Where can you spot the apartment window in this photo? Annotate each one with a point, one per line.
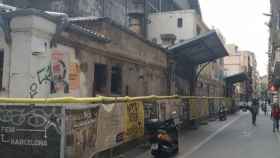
(116, 80)
(1, 66)
(179, 22)
(100, 79)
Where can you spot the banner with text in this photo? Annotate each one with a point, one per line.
(29, 131)
(81, 132)
(134, 120)
(111, 126)
(167, 107)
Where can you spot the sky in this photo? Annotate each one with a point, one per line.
(242, 23)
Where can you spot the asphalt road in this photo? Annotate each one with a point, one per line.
(235, 138)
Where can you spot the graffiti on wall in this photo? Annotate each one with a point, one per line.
(54, 74)
(30, 131)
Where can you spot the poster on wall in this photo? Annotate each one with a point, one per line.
(198, 108)
(111, 126)
(59, 68)
(167, 107)
(81, 132)
(151, 110)
(29, 131)
(134, 120)
(74, 79)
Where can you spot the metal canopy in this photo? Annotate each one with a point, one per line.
(236, 78)
(201, 49)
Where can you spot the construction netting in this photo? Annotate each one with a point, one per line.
(81, 127)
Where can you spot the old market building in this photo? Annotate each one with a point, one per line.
(46, 55)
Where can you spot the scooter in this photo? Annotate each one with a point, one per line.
(164, 142)
(222, 114)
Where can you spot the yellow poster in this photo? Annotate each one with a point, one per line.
(134, 120)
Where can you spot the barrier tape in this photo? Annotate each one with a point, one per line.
(94, 100)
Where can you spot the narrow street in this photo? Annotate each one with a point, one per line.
(235, 138)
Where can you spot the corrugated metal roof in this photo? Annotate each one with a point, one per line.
(201, 49)
(236, 78)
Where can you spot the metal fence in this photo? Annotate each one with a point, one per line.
(81, 127)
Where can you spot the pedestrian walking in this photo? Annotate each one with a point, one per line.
(254, 110)
(264, 108)
(275, 115)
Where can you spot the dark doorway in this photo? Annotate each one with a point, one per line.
(100, 80)
(116, 80)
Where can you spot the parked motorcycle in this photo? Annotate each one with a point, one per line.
(164, 142)
(222, 114)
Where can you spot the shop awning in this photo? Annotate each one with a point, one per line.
(240, 77)
(201, 49)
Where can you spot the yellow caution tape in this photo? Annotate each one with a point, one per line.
(94, 100)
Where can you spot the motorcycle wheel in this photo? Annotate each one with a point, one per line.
(177, 150)
(161, 155)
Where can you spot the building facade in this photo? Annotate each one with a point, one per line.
(242, 62)
(120, 11)
(42, 60)
(181, 26)
(274, 51)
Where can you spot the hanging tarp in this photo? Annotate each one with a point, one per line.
(134, 120)
(111, 126)
(81, 131)
(30, 131)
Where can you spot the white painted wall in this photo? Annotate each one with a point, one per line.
(28, 36)
(32, 58)
(4, 92)
(166, 23)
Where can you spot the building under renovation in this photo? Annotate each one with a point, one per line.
(122, 12)
(86, 55)
(48, 56)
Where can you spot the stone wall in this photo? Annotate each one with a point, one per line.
(68, 69)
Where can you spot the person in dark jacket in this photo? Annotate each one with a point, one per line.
(254, 110)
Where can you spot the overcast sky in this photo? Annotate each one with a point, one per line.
(241, 22)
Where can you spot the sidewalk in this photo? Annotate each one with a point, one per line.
(189, 139)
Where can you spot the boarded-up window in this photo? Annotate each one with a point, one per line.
(116, 82)
(100, 79)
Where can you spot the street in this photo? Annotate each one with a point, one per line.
(235, 138)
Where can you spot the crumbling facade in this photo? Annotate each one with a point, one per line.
(52, 57)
